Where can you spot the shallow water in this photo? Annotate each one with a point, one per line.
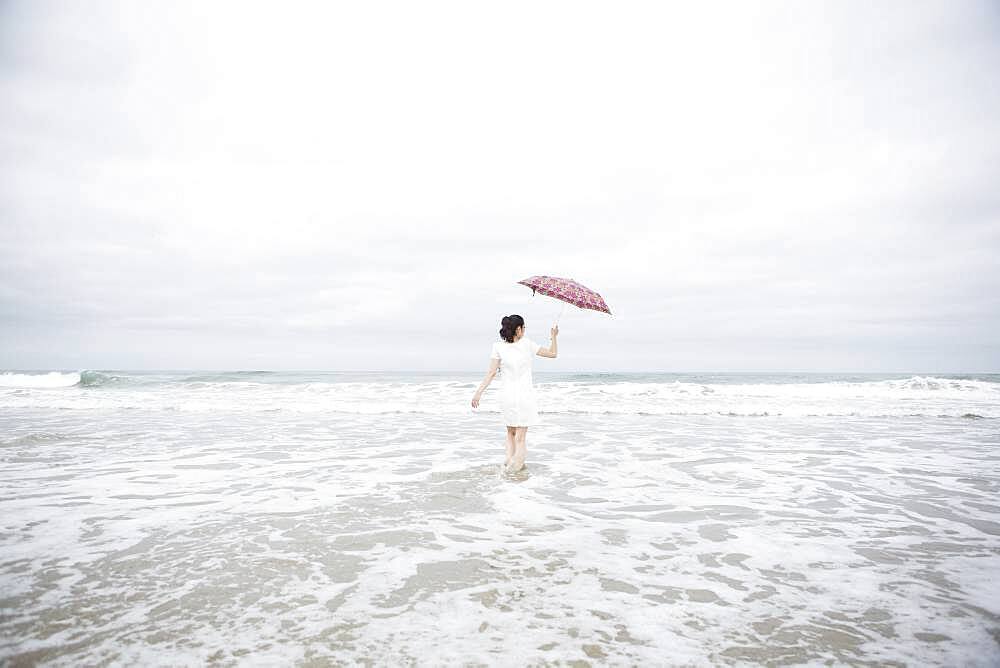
(141, 534)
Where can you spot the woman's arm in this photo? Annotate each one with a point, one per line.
(490, 375)
(553, 350)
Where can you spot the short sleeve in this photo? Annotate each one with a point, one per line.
(534, 346)
(494, 353)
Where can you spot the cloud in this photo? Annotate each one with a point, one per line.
(800, 186)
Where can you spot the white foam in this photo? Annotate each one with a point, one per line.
(287, 537)
(50, 379)
(918, 395)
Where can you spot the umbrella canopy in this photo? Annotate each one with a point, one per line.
(567, 290)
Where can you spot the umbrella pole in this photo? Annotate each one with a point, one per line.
(560, 312)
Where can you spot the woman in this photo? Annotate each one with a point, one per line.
(513, 357)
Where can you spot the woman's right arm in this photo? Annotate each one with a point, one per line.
(553, 350)
(490, 374)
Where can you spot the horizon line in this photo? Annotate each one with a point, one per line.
(447, 371)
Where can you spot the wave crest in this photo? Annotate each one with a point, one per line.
(96, 378)
(50, 379)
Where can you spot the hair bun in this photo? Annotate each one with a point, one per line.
(509, 325)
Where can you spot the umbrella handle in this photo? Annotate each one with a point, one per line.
(560, 312)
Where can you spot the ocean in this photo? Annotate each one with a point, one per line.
(319, 518)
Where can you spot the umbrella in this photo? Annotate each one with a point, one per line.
(567, 291)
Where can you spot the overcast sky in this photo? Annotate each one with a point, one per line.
(791, 186)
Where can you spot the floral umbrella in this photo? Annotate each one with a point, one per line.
(567, 291)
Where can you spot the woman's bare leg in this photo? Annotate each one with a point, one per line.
(520, 448)
(510, 446)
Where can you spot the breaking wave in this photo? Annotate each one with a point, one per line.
(51, 379)
(611, 393)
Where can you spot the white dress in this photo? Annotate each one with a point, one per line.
(517, 390)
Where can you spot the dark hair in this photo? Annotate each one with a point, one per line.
(509, 325)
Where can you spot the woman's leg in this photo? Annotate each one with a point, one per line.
(510, 446)
(520, 448)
